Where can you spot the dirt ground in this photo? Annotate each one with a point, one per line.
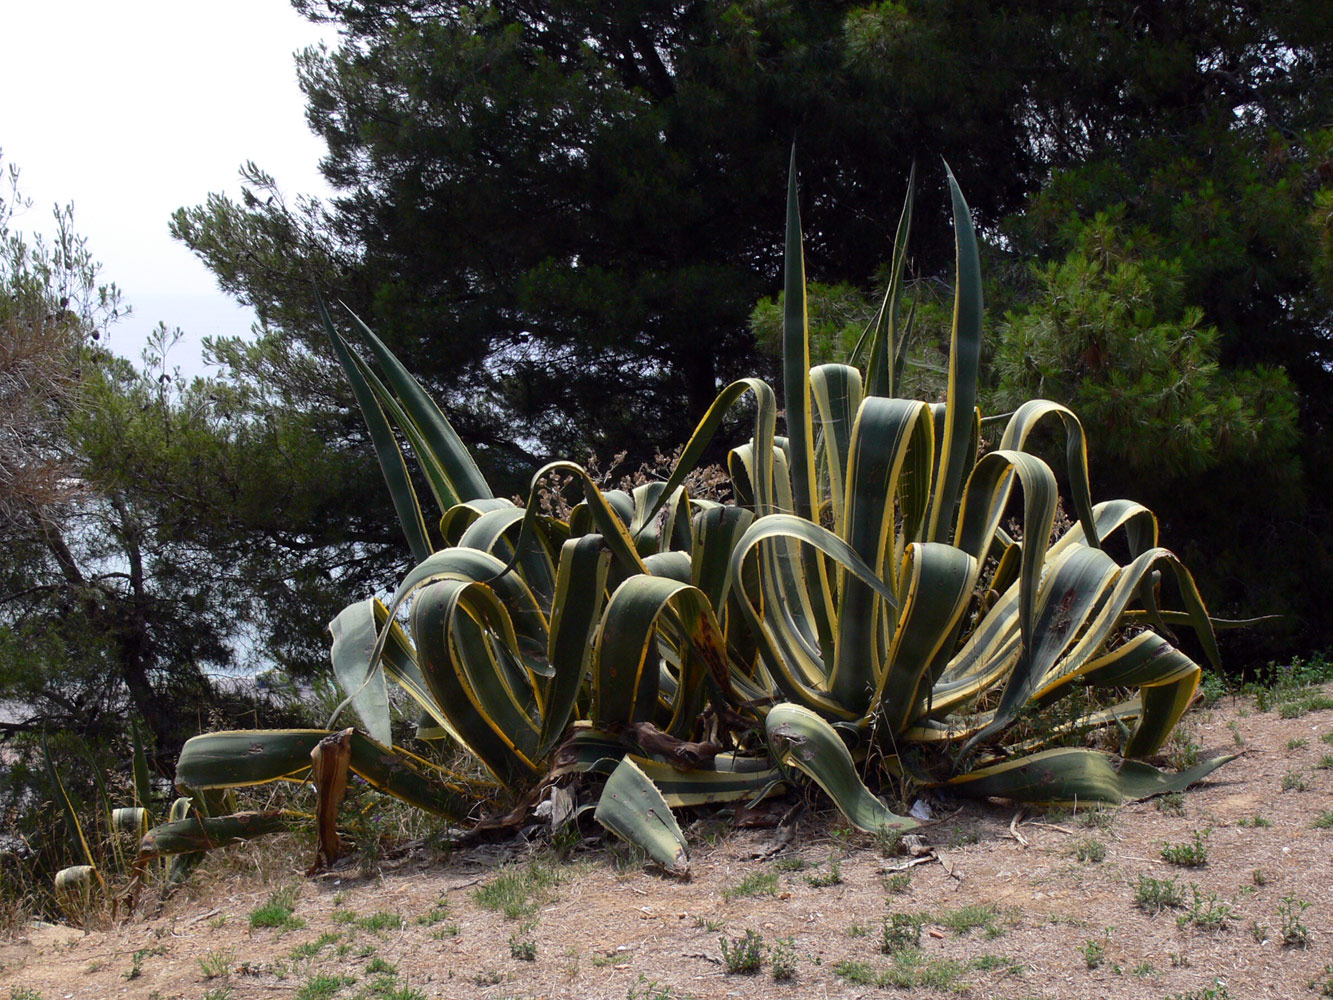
(1006, 909)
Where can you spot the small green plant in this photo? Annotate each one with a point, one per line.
(1309, 702)
(1089, 850)
(1325, 762)
(1185, 751)
(754, 884)
(437, 913)
(277, 912)
(312, 948)
(1258, 931)
(901, 930)
(217, 963)
(1144, 970)
(522, 947)
(1293, 781)
(969, 918)
(517, 891)
(857, 929)
(1324, 982)
(1324, 821)
(23, 993)
(650, 989)
(377, 966)
(137, 959)
(830, 876)
(1327, 737)
(1297, 743)
(1294, 932)
(1216, 990)
(380, 921)
(743, 955)
(1256, 821)
(782, 960)
(793, 863)
(323, 987)
(898, 883)
(1212, 688)
(1153, 895)
(1237, 738)
(1096, 819)
(1206, 912)
(1172, 802)
(216, 993)
(1093, 952)
(1189, 855)
(613, 959)
(1258, 877)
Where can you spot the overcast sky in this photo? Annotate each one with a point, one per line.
(133, 109)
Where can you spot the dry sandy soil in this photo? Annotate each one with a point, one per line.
(1045, 922)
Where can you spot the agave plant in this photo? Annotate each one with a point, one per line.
(862, 600)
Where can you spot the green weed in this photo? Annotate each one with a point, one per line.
(1190, 855)
(277, 912)
(1153, 895)
(1206, 912)
(517, 891)
(322, 987)
(1294, 932)
(755, 884)
(901, 930)
(217, 963)
(743, 955)
(1089, 850)
(782, 960)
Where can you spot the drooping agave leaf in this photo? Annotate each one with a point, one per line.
(1026, 419)
(726, 778)
(625, 670)
(1070, 775)
(799, 738)
(632, 808)
(1166, 678)
(74, 889)
(489, 700)
(130, 819)
(938, 587)
(580, 593)
(239, 759)
(837, 394)
(355, 633)
(205, 833)
(785, 648)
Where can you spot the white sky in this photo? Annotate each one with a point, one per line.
(135, 108)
